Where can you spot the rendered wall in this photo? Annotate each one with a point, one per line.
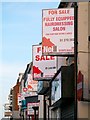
(41, 107)
(83, 55)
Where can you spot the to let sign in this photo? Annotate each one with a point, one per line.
(58, 31)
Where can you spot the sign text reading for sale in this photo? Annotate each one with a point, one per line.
(39, 57)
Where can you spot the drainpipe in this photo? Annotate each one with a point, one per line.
(75, 56)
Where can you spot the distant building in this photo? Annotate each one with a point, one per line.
(28, 94)
(7, 111)
(15, 107)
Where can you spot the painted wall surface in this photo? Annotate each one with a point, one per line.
(56, 114)
(84, 55)
(89, 55)
(83, 109)
(15, 114)
(41, 107)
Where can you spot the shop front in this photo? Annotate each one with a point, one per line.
(32, 107)
(62, 94)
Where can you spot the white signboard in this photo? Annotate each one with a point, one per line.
(20, 98)
(44, 67)
(30, 110)
(32, 84)
(56, 89)
(58, 31)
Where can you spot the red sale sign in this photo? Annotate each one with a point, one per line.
(44, 67)
(58, 31)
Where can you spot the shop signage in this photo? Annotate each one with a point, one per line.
(34, 104)
(44, 67)
(20, 98)
(31, 84)
(58, 31)
(24, 89)
(56, 89)
(23, 105)
(30, 110)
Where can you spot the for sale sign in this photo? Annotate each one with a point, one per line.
(44, 67)
(58, 31)
(32, 84)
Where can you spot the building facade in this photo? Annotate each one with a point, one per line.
(15, 107)
(84, 56)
